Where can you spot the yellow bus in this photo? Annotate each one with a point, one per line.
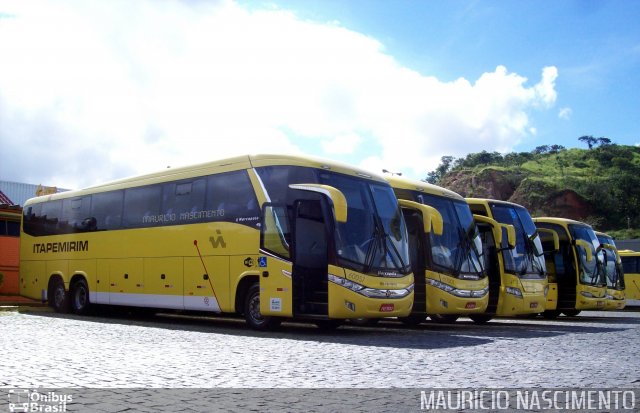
(268, 236)
(576, 275)
(515, 261)
(446, 257)
(613, 273)
(631, 268)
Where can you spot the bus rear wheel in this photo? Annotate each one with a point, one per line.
(58, 297)
(444, 318)
(550, 314)
(80, 297)
(480, 318)
(252, 313)
(571, 313)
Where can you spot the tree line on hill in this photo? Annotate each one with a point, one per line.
(606, 176)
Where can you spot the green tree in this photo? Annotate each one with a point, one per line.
(589, 140)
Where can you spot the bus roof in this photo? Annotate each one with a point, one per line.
(629, 253)
(216, 166)
(491, 201)
(560, 221)
(420, 186)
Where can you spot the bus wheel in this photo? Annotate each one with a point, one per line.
(80, 297)
(480, 318)
(444, 318)
(58, 297)
(551, 314)
(328, 325)
(252, 313)
(364, 322)
(571, 313)
(412, 320)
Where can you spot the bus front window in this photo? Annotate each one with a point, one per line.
(457, 251)
(526, 260)
(373, 240)
(591, 272)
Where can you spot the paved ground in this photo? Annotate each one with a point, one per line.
(43, 349)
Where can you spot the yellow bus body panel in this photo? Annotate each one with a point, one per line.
(552, 297)
(443, 302)
(533, 300)
(617, 301)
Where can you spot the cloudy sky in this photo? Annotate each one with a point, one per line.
(96, 90)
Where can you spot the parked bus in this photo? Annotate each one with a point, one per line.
(446, 257)
(614, 276)
(576, 275)
(514, 261)
(267, 236)
(9, 248)
(631, 269)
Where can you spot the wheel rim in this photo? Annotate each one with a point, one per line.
(80, 297)
(58, 296)
(254, 309)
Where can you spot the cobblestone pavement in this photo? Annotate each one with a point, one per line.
(43, 349)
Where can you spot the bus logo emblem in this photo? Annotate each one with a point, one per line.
(218, 241)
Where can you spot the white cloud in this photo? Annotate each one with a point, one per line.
(342, 144)
(565, 113)
(91, 91)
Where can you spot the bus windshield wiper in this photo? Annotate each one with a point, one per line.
(379, 238)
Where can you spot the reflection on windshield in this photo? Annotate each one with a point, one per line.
(374, 236)
(591, 272)
(458, 250)
(526, 260)
(612, 265)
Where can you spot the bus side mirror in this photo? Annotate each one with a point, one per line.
(511, 235)
(556, 239)
(496, 228)
(613, 249)
(337, 198)
(586, 246)
(430, 216)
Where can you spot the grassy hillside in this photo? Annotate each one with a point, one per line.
(603, 180)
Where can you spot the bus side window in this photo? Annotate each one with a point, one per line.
(232, 198)
(106, 208)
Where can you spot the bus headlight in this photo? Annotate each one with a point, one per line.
(546, 290)
(587, 294)
(514, 291)
(609, 297)
(369, 292)
(456, 291)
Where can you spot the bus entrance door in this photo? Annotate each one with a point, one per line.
(295, 262)
(276, 295)
(310, 259)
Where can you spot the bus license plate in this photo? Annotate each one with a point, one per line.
(385, 308)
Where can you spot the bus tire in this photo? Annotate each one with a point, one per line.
(571, 313)
(413, 320)
(58, 296)
(551, 314)
(252, 311)
(328, 325)
(80, 297)
(480, 318)
(444, 318)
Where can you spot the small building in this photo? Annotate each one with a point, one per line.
(9, 248)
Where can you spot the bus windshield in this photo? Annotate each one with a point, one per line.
(591, 272)
(526, 260)
(373, 240)
(458, 251)
(612, 265)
